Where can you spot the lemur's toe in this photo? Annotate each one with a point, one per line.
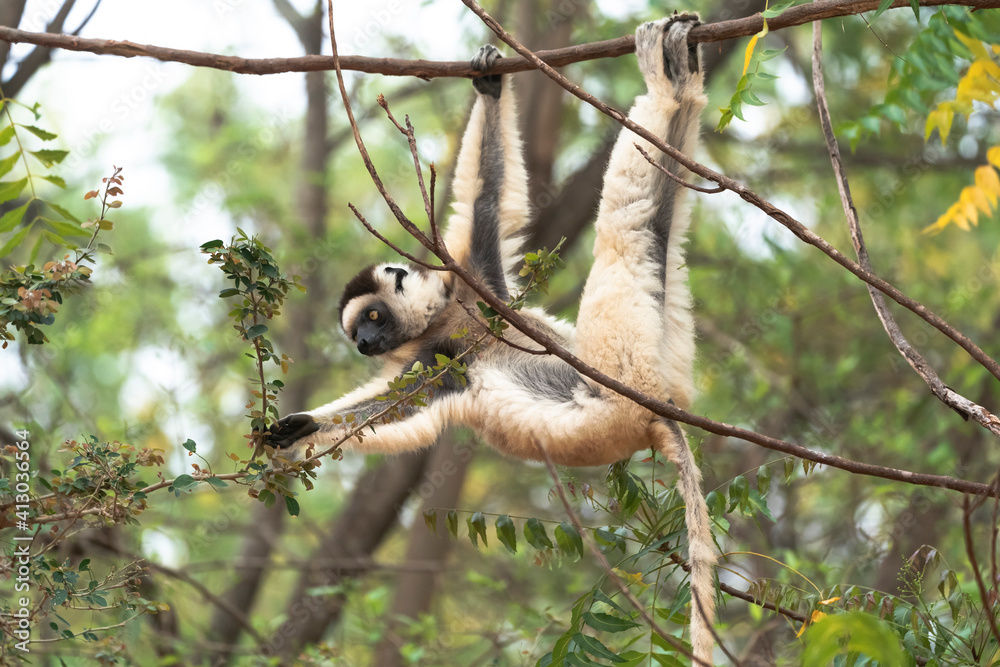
(483, 61)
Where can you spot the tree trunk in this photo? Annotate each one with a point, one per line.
(441, 487)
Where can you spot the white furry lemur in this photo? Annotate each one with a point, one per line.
(634, 323)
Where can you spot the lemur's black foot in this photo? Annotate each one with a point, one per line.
(664, 52)
(675, 43)
(483, 61)
(290, 429)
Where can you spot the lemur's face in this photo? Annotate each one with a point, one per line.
(387, 305)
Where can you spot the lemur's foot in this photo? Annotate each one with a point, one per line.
(289, 429)
(664, 52)
(483, 61)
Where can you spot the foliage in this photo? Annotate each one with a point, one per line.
(30, 296)
(259, 283)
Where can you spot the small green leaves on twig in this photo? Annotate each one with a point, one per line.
(30, 296)
(260, 289)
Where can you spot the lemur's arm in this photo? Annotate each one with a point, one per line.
(490, 183)
(406, 428)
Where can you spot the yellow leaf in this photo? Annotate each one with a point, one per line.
(993, 156)
(978, 199)
(940, 119)
(830, 601)
(814, 618)
(753, 42)
(987, 179)
(974, 45)
(749, 53)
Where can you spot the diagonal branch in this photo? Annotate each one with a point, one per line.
(957, 402)
(426, 69)
(746, 194)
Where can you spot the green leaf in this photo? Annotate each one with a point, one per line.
(607, 622)
(65, 228)
(52, 178)
(212, 244)
(864, 633)
(739, 491)
(506, 533)
(594, 647)
(12, 218)
(768, 54)
(292, 505)
(8, 163)
(183, 484)
(84, 565)
(764, 479)
(477, 526)
(267, 498)
(451, 522)
(534, 533)
(14, 241)
(256, 330)
(49, 157)
(44, 135)
(226, 293)
(882, 6)
(217, 483)
(771, 12)
(63, 212)
(190, 445)
(6, 134)
(431, 520)
(751, 99)
(569, 539)
(11, 189)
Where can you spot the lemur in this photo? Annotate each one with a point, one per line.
(634, 321)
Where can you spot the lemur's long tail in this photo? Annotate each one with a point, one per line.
(701, 550)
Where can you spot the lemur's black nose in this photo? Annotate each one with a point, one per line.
(369, 346)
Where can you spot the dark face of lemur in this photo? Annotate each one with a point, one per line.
(387, 305)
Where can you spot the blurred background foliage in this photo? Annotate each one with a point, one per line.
(788, 346)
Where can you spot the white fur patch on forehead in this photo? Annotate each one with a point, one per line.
(422, 296)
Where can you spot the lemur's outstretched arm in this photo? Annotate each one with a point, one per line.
(389, 303)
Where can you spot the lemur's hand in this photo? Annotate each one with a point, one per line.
(483, 61)
(291, 428)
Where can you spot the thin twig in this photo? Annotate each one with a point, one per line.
(949, 397)
(675, 177)
(476, 318)
(801, 231)
(970, 551)
(400, 251)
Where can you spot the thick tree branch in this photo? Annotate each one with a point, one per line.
(426, 69)
(957, 402)
(746, 194)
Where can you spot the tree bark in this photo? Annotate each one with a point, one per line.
(443, 478)
(371, 511)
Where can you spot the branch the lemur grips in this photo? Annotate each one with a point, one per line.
(634, 322)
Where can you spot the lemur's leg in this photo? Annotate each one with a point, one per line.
(490, 184)
(635, 322)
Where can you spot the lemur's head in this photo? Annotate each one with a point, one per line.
(386, 305)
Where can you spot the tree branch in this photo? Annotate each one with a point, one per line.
(952, 399)
(426, 69)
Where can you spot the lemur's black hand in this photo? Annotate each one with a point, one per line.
(483, 61)
(291, 428)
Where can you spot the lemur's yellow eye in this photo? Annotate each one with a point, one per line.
(373, 315)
